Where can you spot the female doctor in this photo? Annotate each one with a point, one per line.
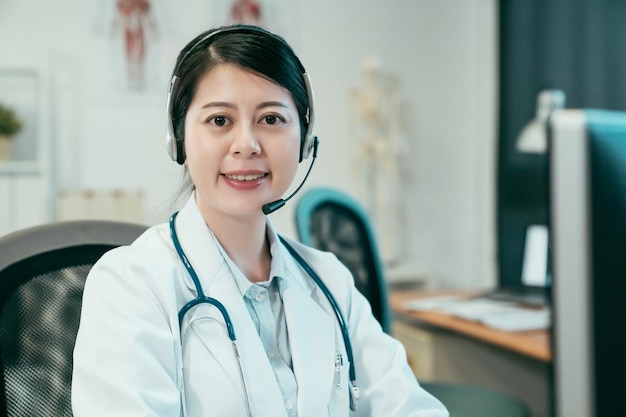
(213, 313)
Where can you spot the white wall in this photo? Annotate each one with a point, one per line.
(444, 53)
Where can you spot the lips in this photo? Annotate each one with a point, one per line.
(246, 177)
(245, 181)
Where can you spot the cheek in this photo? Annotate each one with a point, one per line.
(200, 158)
(293, 149)
(292, 158)
(197, 144)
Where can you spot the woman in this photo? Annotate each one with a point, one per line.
(214, 314)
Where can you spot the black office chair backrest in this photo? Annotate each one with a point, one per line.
(42, 274)
(331, 220)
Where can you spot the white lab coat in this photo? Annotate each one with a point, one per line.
(129, 359)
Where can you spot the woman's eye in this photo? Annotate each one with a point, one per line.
(272, 119)
(219, 120)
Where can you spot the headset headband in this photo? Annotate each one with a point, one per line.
(175, 144)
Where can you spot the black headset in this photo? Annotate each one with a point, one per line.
(175, 144)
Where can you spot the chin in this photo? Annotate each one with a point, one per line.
(243, 211)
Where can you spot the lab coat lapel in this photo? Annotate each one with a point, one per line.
(207, 325)
(218, 282)
(261, 385)
(312, 340)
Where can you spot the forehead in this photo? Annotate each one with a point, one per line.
(232, 80)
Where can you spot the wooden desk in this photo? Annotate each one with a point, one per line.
(535, 343)
(441, 347)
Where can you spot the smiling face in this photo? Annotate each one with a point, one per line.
(242, 142)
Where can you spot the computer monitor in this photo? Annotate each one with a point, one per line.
(587, 169)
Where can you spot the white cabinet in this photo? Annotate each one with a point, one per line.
(25, 178)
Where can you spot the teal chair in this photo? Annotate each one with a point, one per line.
(331, 220)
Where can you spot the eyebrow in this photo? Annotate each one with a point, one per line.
(218, 104)
(271, 104)
(232, 106)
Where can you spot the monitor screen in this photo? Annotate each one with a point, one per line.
(587, 155)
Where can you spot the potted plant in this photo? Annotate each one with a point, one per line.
(10, 125)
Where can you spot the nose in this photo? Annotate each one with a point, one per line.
(245, 142)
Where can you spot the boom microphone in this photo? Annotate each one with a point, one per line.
(269, 208)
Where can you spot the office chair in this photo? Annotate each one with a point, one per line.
(331, 220)
(42, 274)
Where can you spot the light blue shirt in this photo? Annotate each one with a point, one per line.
(265, 305)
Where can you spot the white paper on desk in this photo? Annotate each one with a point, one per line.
(496, 314)
(432, 303)
(503, 316)
(516, 322)
(478, 309)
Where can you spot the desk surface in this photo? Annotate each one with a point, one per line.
(534, 343)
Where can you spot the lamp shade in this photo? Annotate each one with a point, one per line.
(534, 137)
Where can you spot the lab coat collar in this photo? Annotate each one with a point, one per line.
(312, 342)
(196, 240)
(217, 281)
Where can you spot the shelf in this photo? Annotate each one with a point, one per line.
(26, 196)
(10, 168)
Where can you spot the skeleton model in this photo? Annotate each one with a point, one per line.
(377, 140)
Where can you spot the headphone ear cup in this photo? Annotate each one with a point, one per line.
(306, 145)
(309, 140)
(170, 144)
(175, 148)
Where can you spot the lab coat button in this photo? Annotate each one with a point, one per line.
(288, 404)
(271, 354)
(260, 297)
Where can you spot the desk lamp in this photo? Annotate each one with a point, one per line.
(534, 138)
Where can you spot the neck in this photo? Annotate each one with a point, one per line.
(245, 242)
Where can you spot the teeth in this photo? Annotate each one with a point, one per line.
(248, 177)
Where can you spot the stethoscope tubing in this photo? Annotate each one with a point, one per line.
(201, 298)
(331, 299)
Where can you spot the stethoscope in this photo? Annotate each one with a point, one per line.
(201, 298)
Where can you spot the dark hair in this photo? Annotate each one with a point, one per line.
(249, 47)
